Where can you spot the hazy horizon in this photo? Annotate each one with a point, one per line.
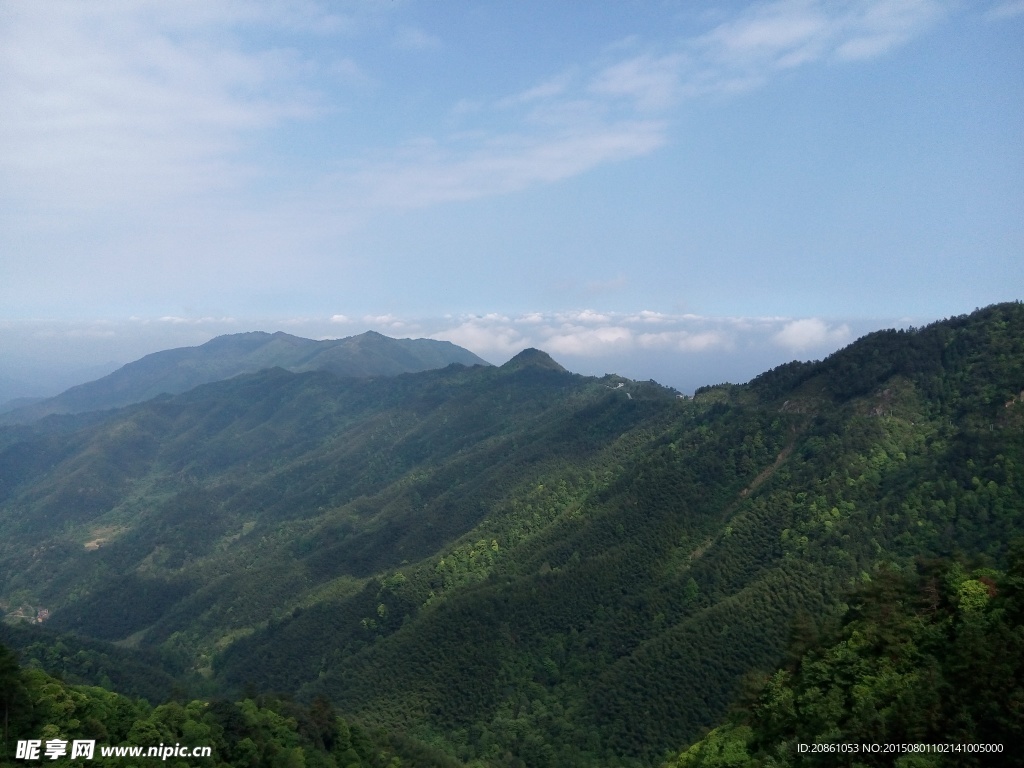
(44, 358)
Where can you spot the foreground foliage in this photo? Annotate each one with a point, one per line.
(245, 734)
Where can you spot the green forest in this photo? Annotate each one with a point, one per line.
(928, 663)
(264, 731)
(520, 566)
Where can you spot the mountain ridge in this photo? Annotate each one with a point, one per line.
(177, 370)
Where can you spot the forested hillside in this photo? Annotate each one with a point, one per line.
(516, 565)
(927, 664)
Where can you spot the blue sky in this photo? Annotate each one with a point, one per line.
(685, 191)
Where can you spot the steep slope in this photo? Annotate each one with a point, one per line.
(524, 566)
(178, 370)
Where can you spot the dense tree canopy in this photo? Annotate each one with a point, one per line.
(930, 662)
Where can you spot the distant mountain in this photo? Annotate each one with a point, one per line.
(17, 393)
(179, 370)
(18, 402)
(519, 565)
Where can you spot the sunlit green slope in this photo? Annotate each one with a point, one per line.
(924, 670)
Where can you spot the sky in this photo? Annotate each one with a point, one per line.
(690, 192)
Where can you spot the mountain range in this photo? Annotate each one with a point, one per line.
(179, 370)
(511, 565)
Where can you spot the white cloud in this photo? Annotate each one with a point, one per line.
(684, 341)
(385, 321)
(809, 333)
(587, 316)
(647, 316)
(484, 338)
(587, 342)
(531, 317)
(699, 342)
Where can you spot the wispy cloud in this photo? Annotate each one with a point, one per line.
(548, 89)
(749, 48)
(781, 35)
(612, 111)
(427, 173)
(103, 104)
(651, 83)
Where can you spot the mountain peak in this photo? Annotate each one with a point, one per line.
(533, 358)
